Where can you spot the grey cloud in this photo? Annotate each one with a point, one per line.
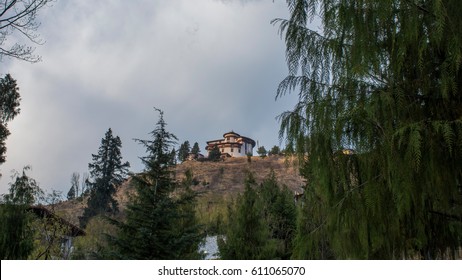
(211, 66)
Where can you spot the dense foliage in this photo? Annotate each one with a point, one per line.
(261, 223)
(9, 109)
(107, 172)
(382, 79)
(160, 221)
(16, 231)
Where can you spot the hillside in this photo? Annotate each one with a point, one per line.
(216, 181)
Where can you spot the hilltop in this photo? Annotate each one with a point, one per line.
(216, 181)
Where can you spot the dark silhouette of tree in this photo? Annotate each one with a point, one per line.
(184, 150)
(274, 151)
(214, 154)
(195, 149)
(261, 151)
(71, 193)
(9, 109)
(18, 20)
(107, 172)
(160, 223)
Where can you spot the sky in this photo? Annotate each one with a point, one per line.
(212, 66)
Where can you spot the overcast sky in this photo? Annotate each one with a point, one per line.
(211, 66)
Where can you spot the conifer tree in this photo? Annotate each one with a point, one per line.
(274, 151)
(159, 223)
(247, 233)
(382, 78)
(280, 214)
(195, 149)
(214, 154)
(71, 193)
(184, 150)
(262, 151)
(107, 172)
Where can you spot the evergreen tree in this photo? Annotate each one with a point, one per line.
(107, 172)
(247, 234)
(280, 214)
(75, 178)
(9, 109)
(184, 150)
(173, 157)
(214, 154)
(195, 149)
(159, 223)
(71, 193)
(274, 151)
(262, 151)
(383, 78)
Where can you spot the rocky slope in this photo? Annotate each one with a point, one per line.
(217, 181)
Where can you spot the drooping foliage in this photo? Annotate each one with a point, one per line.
(383, 79)
(160, 223)
(107, 172)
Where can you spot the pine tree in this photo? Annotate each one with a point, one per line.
(262, 151)
(214, 154)
(382, 78)
(195, 149)
(184, 150)
(275, 151)
(280, 214)
(71, 193)
(9, 109)
(159, 223)
(107, 172)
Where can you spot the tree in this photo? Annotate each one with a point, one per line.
(84, 184)
(214, 154)
(18, 20)
(16, 231)
(71, 193)
(274, 151)
(184, 150)
(107, 172)
(94, 244)
(382, 78)
(9, 109)
(247, 233)
(75, 180)
(159, 223)
(262, 151)
(280, 214)
(195, 149)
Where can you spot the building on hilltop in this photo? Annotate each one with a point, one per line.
(232, 145)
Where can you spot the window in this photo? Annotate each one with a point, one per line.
(239, 150)
(232, 150)
(222, 150)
